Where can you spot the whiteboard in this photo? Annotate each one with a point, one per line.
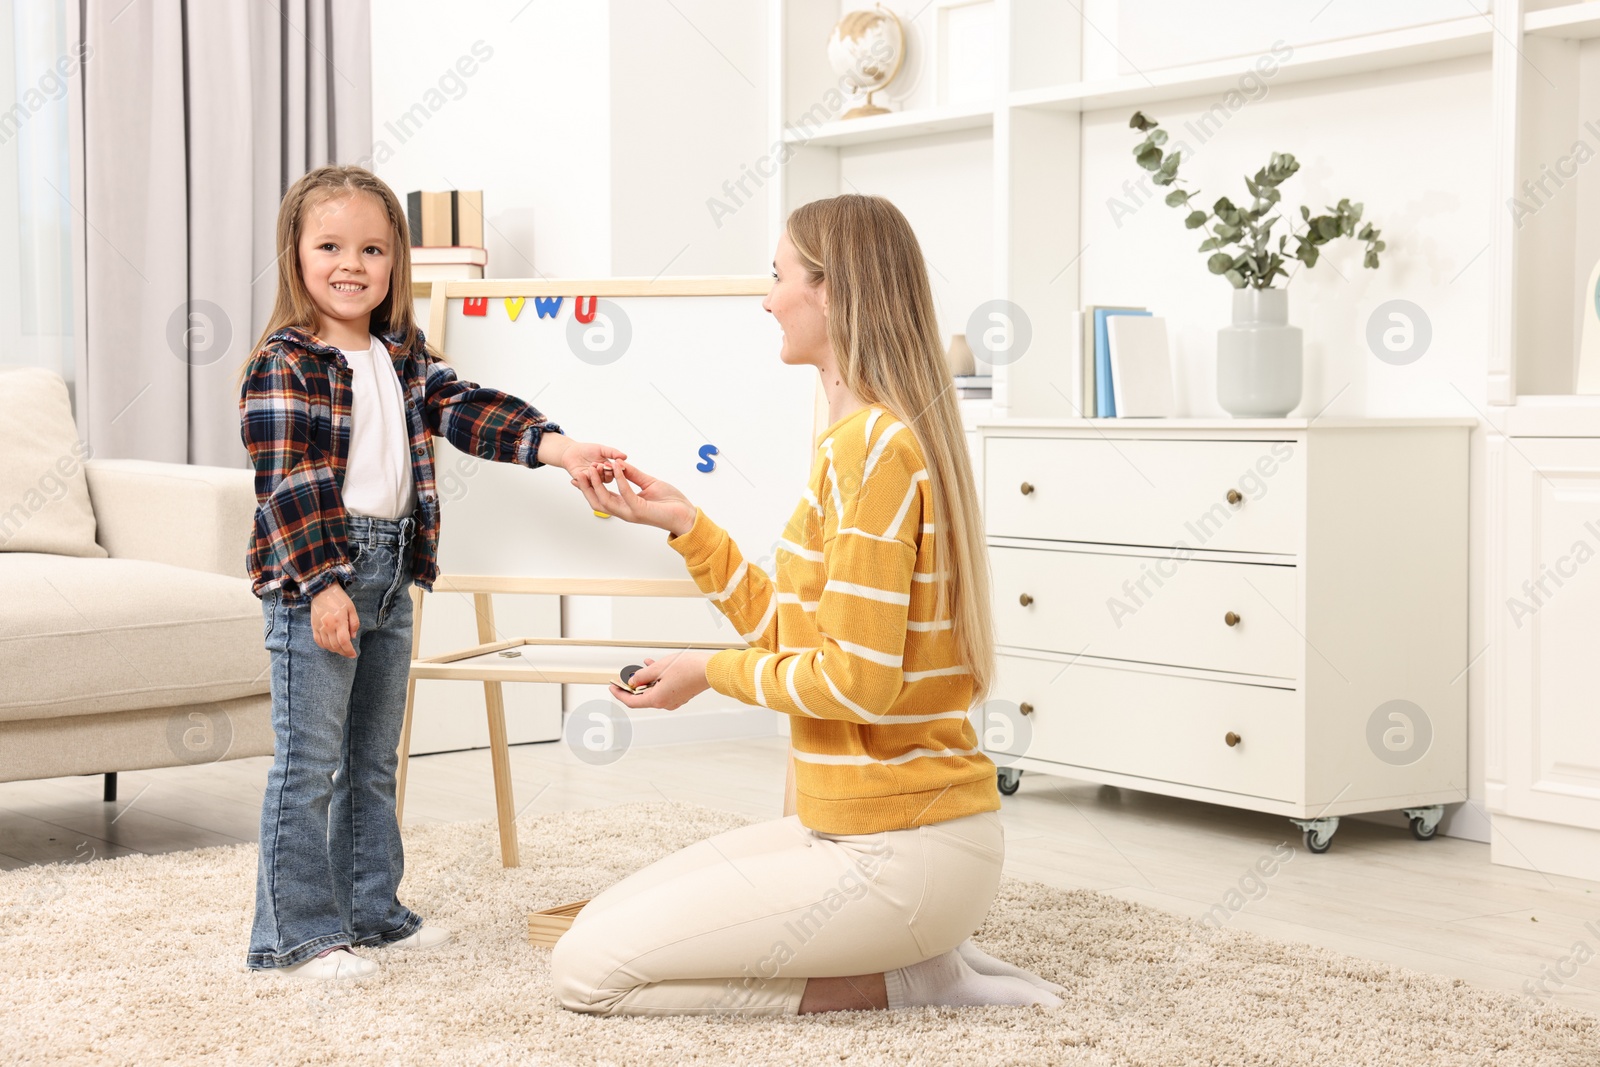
(660, 370)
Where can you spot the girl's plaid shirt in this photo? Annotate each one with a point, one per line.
(294, 411)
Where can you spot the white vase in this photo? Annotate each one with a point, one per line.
(1259, 356)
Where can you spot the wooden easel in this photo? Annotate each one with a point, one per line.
(559, 660)
(549, 660)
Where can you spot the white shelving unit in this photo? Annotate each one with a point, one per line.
(1025, 227)
(876, 129)
(1542, 749)
(924, 156)
(1469, 35)
(1573, 22)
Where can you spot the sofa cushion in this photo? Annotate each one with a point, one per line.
(85, 636)
(44, 496)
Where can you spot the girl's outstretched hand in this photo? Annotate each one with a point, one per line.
(655, 503)
(580, 457)
(673, 681)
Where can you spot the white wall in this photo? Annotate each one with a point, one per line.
(1152, 34)
(944, 186)
(688, 124)
(1412, 146)
(530, 126)
(598, 133)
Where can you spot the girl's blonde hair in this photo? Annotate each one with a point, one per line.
(293, 306)
(885, 336)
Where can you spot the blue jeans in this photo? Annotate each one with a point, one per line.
(331, 857)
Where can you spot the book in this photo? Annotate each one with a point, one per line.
(443, 254)
(445, 272)
(1087, 403)
(1141, 367)
(1076, 397)
(1105, 405)
(466, 213)
(1086, 361)
(453, 218)
(447, 264)
(974, 386)
(428, 216)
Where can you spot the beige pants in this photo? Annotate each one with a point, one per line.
(737, 923)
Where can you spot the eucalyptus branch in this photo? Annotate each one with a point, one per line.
(1250, 230)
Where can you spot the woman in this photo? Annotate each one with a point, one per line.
(875, 639)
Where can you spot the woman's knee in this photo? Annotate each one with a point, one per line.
(964, 865)
(575, 980)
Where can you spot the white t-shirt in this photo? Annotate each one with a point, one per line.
(377, 477)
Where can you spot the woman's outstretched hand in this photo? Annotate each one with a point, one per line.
(673, 681)
(654, 503)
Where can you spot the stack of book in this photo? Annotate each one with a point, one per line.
(446, 235)
(1121, 365)
(974, 386)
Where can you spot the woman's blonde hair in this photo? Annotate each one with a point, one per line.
(293, 306)
(885, 336)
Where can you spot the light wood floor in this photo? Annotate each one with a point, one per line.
(1438, 906)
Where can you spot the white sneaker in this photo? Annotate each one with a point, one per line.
(422, 939)
(338, 965)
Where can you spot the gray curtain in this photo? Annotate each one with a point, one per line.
(195, 117)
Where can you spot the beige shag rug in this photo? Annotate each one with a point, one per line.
(139, 960)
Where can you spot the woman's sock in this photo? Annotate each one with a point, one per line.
(984, 963)
(946, 981)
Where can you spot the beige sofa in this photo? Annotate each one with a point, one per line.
(139, 645)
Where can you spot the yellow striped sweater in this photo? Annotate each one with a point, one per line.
(845, 640)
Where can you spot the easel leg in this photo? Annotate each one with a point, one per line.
(411, 703)
(499, 747)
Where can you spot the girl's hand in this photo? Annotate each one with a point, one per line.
(677, 679)
(334, 621)
(655, 504)
(577, 457)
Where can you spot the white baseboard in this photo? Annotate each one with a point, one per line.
(1546, 847)
(712, 724)
(1466, 821)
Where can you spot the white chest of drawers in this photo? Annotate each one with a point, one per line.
(1264, 613)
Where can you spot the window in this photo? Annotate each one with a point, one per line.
(36, 217)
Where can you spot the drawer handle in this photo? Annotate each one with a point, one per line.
(1231, 618)
(1027, 488)
(1024, 600)
(1233, 739)
(1026, 708)
(1234, 496)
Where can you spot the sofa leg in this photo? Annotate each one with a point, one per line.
(111, 787)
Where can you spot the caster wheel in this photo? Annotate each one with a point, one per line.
(1317, 843)
(1421, 832)
(1008, 780)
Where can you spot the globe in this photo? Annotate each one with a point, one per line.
(866, 49)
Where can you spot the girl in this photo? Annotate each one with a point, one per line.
(339, 405)
(876, 640)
